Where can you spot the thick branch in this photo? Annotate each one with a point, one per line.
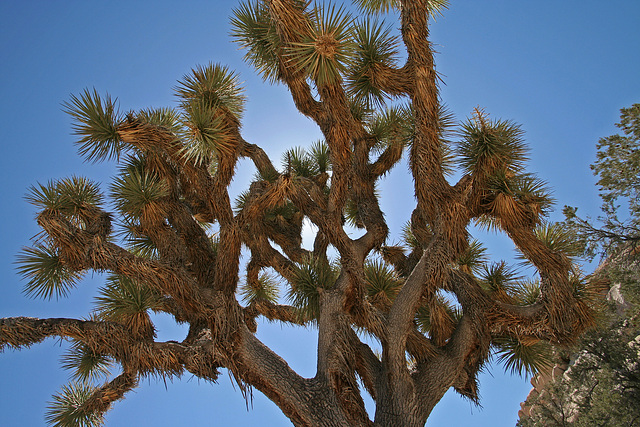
(101, 399)
(81, 250)
(431, 187)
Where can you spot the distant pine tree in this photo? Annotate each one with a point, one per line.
(602, 383)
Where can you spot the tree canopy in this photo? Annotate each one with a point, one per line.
(617, 168)
(171, 239)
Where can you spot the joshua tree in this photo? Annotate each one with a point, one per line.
(173, 238)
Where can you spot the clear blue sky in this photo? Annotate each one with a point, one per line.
(562, 69)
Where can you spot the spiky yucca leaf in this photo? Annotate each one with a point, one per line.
(137, 242)
(67, 407)
(377, 6)
(446, 124)
(533, 192)
(204, 134)
(588, 291)
(211, 87)
(517, 198)
(79, 190)
(254, 30)
(383, 284)
(360, 110)
(397, 125)
(46, 274)
(128, 302)
(134, 189)
(241, 200)
(488, 145)
(86, 364)
(265, 290)
(487, 223)
(393, 125)
(309, 277)
(474, 258)
(164, 117)
(325, 53)
(445, 315)
(558, 238)
(48, 197)
(269, 175)
(296, 161)
(96, 123)
(319, 153)
(66, 196)
(523, 356)
(409, 238)
(526, 292)
(143, 246)
(498, 279)
(282, 213)
(375, 47)
(384, 6)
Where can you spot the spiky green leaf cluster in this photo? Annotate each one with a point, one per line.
(446, 125)
(383, 284)
(137, 242)
(254, 30)
(212, 86)
(526, 292)
(375, 47)
(393, 125)
(128, 302)
(324, 54)
(86, 364)
(377, 6)
(167, 118)
(299, 162)
(319, 152)
(295, 161)
(265, 290)
(396, 125)
(474, 258)
(409, 238)
(525, 188)
(523, 356)
(281, 214)
(204, 135)
(499, 280)
(309, 278)
(135, 188)
(47, 276)
(209, 96)
(96, 123)
(385, 6)
(489, 146)
(559, 238)
(67, 408)
(423, 315)
(68, 196)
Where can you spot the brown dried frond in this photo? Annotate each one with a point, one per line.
(441, 322)
(507, 210)
(20, 332)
